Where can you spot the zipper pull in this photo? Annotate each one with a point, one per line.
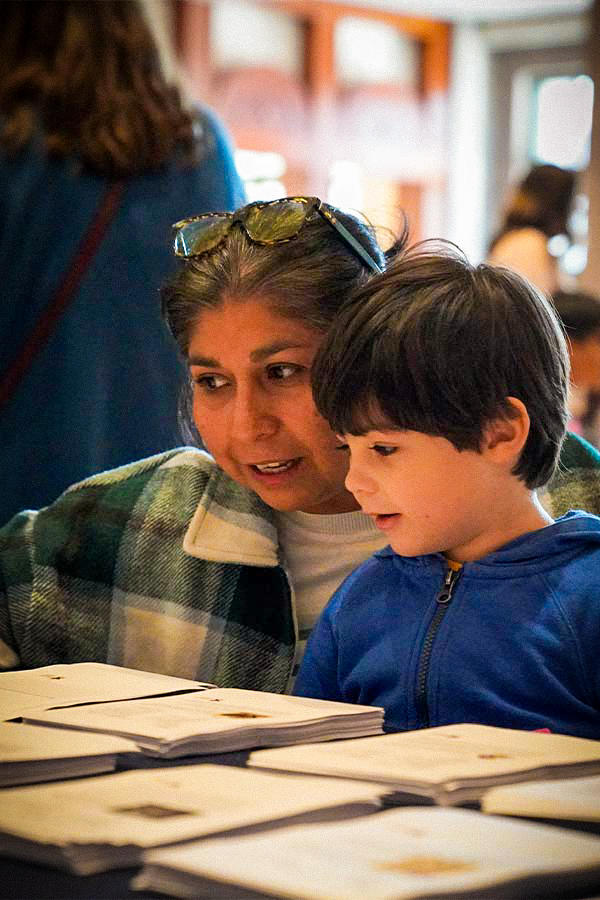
(450, 579)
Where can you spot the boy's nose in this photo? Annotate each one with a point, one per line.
(358, 481)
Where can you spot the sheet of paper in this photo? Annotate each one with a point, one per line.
(14, 704)
(242, 718)
(57, 685)
(573, 798)
(34, 753)
(27, 743)
(394, 855)
(148, 808)
(435, 755)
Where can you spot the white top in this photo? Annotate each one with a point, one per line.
(319, 552)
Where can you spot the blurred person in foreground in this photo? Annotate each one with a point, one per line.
(99, 153)
(538, 211)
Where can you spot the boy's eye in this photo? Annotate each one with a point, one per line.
(281, 371)
(341, 446)
(383, 449)
(210, 383)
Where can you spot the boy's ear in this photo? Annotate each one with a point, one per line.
(505, 437)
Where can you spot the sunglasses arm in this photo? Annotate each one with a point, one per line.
(352, 242)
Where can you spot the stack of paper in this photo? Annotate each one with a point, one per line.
(399, 854)
(29, 753)
(451, 764)
(64, 685)
(218, 720)
(576, 799)
(94, 824)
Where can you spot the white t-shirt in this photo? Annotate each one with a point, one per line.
(319, 552)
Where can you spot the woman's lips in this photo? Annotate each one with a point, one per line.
(275, 469)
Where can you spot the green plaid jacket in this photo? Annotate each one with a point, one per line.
(170, 566)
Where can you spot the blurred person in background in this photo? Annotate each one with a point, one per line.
(580, 315)
(538, 211)
(99, 153)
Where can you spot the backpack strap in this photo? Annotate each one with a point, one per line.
(64, 293)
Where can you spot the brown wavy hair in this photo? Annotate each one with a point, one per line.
(90, 75)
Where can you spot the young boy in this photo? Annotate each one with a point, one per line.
(448, 386)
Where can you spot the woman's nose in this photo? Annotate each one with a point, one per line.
(252, 416)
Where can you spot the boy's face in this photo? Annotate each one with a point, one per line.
(425, 495)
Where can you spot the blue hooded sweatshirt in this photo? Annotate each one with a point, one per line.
(512, 639)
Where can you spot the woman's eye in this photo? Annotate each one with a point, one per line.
(342, 446)
(383, 449)
(209, 382)
(281, 371)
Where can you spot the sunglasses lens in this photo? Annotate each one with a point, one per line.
(276, 221)
(202, 235)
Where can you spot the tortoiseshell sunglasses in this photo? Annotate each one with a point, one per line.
(273, 222)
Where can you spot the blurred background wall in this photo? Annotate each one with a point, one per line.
(435, 107)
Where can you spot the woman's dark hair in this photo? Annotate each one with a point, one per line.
(305, 279)
(89, 75)
(437, 346)
(542, 200)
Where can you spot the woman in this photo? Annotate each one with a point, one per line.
(538, 211)
(215, 567)
(99, 153)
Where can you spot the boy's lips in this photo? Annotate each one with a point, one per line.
(383, 521)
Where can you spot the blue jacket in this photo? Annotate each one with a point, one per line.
(515, 644)
(104, 390)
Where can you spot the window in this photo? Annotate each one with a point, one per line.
(262, 174)
(561, 124)
(244, 33)
(369, 52)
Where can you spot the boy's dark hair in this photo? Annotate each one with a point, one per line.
(436, 345)
(579, 313)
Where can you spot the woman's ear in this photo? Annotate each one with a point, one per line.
(505, 437)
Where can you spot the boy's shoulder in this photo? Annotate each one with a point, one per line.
(580, 530)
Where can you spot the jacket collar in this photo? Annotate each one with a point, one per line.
(232, 525)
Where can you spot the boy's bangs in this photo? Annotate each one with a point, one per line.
(364, 395)
(363, 413)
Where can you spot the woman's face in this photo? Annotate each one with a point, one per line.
(253, 407)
